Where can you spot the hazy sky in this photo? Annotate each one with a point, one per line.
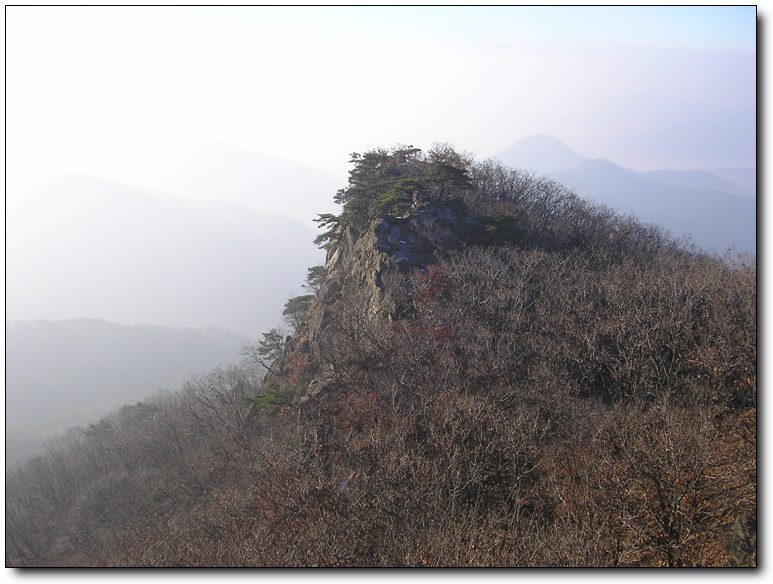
(99, 89)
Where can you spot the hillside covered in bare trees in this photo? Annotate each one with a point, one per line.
(487, 371)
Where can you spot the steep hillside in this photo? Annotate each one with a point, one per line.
(487, 371)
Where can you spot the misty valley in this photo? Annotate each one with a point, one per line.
(249, 325)
(539, 359)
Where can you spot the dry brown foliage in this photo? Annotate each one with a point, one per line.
(586, 399)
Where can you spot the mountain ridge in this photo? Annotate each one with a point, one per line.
(718, 214)
(195, 165)
(715, 220)
(129, 255)
(540, 153)
(488, 370)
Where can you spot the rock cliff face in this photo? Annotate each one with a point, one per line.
(358, 264)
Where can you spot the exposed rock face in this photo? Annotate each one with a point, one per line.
(358, 262)
(395, 238)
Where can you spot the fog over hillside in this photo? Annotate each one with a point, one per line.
(715, 220)
(82, 246)
(71, 373)
(717, 209)
(541, 154)
(487, 371)
(202, 167)
(164, 165)
(709, 181)
(745, 177)
(642, 131)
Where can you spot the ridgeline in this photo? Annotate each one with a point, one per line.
(487, 371)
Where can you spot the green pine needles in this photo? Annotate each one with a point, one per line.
(392, 181)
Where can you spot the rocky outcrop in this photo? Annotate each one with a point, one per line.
(360, 259)
(358, 262)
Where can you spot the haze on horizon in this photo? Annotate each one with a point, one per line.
(113, 110)
(100, 90)
(164, 164)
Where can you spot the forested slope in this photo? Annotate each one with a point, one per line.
(488, 371)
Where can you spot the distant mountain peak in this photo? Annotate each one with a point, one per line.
(198, 166)
(540, 153)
